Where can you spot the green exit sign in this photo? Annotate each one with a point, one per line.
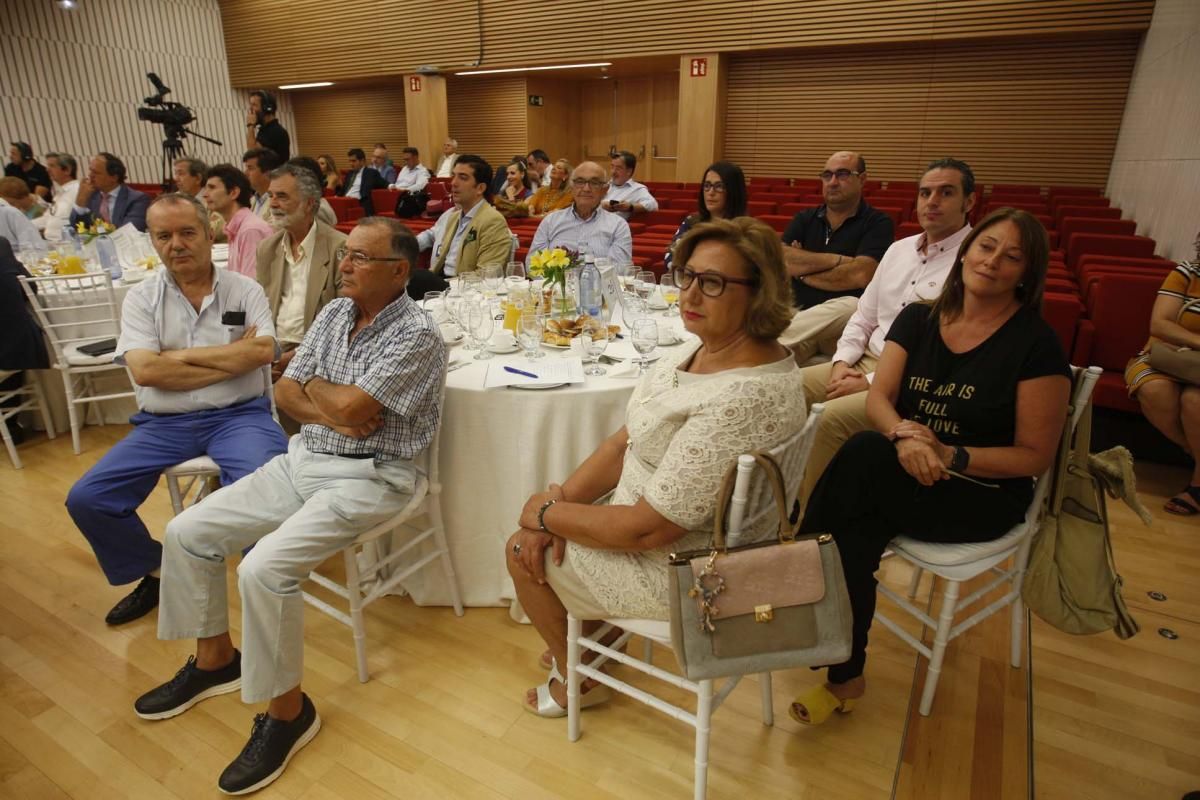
(535, 100)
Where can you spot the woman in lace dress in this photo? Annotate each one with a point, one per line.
(735, 390)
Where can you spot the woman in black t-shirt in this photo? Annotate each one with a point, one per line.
(967, 404)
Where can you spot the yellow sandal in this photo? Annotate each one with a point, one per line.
(820, 703)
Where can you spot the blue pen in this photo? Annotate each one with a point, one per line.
(516, 371)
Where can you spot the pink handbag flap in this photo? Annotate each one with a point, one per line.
(779, 576)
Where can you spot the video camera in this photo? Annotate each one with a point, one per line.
(171, 115)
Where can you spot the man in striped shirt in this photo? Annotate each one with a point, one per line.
(605, 234)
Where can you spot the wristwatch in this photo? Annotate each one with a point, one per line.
(960, 460)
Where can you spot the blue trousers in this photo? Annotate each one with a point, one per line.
(104, 502)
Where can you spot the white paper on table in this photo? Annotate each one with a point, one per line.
(548, 370)
(131, 245)
(610, 288)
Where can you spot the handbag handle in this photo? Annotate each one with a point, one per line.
(786, 533)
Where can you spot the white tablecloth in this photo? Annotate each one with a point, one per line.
(498, 446)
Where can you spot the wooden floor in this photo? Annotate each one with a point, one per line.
(441, 717)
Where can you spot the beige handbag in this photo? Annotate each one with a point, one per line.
(1181, 363)
(759, 607)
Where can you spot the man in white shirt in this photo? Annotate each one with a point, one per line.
(625, 195)
(585, 223)
(472, 234)
(539, 164)
(445, 167)
(413, 176)
(64, 172)
(911, 271)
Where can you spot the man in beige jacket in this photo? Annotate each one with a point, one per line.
(472, 234)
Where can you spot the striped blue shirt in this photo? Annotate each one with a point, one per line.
(605, 234)
(399, 359)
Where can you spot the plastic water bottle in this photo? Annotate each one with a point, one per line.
(106, 251)
(591, 293)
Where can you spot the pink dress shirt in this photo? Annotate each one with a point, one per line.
(245, 231)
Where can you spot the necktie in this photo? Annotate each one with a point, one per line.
(448, 241)
(104, 211)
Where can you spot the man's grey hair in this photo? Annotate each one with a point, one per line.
(67, 162)
(453, 142)
(306, 182)
(176, 198)
(195, 167)
(401, 241)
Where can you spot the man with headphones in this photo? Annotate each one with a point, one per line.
(104, 195)
(263, 129)
(23, 165)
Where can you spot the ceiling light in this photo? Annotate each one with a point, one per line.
(66, 5)
(534, 69)
(307, 85)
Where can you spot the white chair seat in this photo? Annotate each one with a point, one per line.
(194, 465)
(657, 630)
(75, 358)
(936, 554)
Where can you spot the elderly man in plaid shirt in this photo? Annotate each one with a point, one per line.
(365, 383)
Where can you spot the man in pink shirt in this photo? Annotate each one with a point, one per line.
(229, 194)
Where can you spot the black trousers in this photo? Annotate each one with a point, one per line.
(865, 499)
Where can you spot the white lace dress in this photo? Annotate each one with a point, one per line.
(684, 432)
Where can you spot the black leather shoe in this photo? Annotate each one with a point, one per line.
(138, 603)
(272, 744)
(189, 686)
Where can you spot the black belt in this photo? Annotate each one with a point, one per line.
(359, 456)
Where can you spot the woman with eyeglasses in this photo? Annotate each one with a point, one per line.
(722, 196)
(734, 390)
(967, 405)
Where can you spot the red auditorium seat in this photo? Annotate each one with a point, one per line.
(1063, 311)
(663, 217)
(1077, 191)
(384, 201)
(1084, 212)
(1155, 264)
(777, 221)
(807, 185)
(759, 180)
(1033, 206)
(439, 198)
(898, 214)
(1016, 188)
(1108, 244)
(1075, 200)
(757, 209)
(1117, 227)
(906, 229)
(1118, 310)
(903, 186)
(347, 209)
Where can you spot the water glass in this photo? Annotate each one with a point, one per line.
(469, 281)
(670, 294)
(529, 333)
(493, 279)
(479, 321)
(643, 283)
(431, 303)
(514, 269)
(595, 339)
(645, 339)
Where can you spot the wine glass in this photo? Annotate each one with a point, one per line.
(643, 283)
(645, 339)
(493, 279)
(670, 294)
(595, 339)
(432, 303)
(529, 331)
(479, 324)
(514, 269)
(469, 282)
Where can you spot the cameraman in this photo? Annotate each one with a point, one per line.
(263, 129)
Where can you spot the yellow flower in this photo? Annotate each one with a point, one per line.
(79, 226)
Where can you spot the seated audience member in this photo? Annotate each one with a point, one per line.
(298, 264)
(722, 196)
(361, 181)
(625, 195)
(832, 251)
(413, 176)
(382, 164)
(539, 165)
(189, 177)
(734, 390)
(365, 383)
(445, 167)
(968, 402)
(21, 164)
(500, 179)
(64, 172)
(15, 225)
(258, 164)
(554, 195)
(21, 344)
(104, 195)
(228, 192)
(330, 178)
(913, 270)
(472, 234)
(195, 339)
(511, 202)
(605, 234)
(1172, 405)
(325, 212)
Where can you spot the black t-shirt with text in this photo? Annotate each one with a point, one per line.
(970, 399)
(274, 136)
(867, 232)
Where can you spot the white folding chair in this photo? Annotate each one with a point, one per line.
(74, 310)
(752, 501)
(957, 563)
(379, 572)
(28, 397)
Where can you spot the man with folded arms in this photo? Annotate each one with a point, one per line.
(229, 193)
(365, 383)
(297, 266)
(911, 271)
(195, 339)
(64, 172)
(104, 195)
(831, 252)
(626, 196)
(605, 234)
(472, 234)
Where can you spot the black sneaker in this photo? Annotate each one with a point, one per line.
(138, 603)
(272, 744)
(189, 686)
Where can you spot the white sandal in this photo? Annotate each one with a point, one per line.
(548, 708)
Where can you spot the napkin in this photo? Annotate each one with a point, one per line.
(626, 369)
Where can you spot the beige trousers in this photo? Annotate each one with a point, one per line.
(817, 329)
(843, 417)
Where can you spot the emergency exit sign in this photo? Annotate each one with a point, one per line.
(699, 67)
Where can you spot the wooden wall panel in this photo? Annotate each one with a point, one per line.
(555, 126)
(487, 116)
(331, 121)
(446, 35)
(1042, 111)
(72, 80)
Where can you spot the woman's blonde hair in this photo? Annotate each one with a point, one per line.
(759, 246)
(566, 167)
